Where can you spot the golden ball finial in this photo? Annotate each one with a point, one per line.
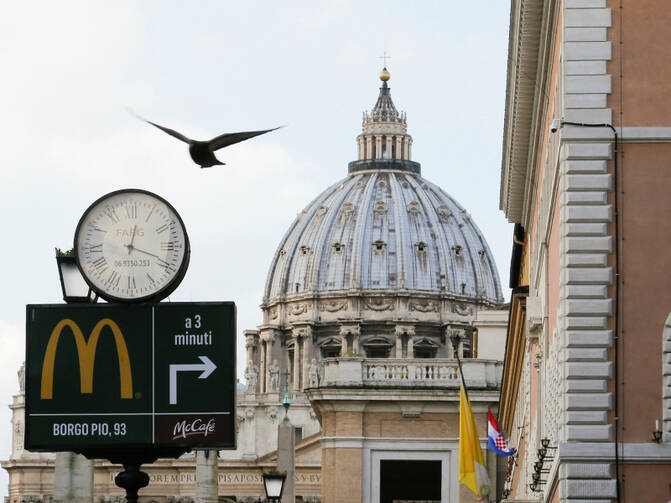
(384, 75)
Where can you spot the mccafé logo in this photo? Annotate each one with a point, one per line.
(86, 351)
(196, 427)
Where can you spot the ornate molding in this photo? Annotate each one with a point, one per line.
(333, 306)
(378, 304)
(424, 306)
(298, 309)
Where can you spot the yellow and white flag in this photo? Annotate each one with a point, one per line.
(472, 468)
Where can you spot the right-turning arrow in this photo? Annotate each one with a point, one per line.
(207, 367)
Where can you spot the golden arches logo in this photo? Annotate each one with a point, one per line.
(86, 351)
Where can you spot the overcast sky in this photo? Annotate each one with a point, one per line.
(70, 70)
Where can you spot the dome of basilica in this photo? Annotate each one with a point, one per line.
(383, 227)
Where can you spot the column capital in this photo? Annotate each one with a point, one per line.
(350, 328)
(403, 328)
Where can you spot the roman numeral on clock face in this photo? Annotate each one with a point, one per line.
(131, 282)
(162, 228)
(131, 210)
(113, 279)
(96, 248)
(99, 263)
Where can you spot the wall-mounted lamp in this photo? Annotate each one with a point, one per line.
(657, 434)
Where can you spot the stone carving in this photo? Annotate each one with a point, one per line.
(333, 306)
(273, 313)
(249, 413)
(35, 499)
(22, 378)
(180, 499)
(413, 209)
(274, 371)
(462, 310)
(272, 413)
(424, 306)
(313, 374)
(321, 211)
(251, 375)
(114, 498)
(379, 304)
(297, 309)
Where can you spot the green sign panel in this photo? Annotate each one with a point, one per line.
(130, 376)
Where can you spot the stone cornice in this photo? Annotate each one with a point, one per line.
(528, 52)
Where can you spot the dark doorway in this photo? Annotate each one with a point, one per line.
(409, 480)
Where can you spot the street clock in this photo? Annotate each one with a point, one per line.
(131, 246)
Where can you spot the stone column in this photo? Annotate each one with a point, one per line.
(406, 141)
(390, 143)
(73, 478)
(297, 362)
(378, 146)
(361, 147)
(207, 477)
(250, 342)
(411, 346)
(399, 146)
(262, 368)
(409, 149)
(286, 458)
(369, 148)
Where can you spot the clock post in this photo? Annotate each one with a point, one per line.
(156, 379)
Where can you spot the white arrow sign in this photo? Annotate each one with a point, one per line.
(207, 367)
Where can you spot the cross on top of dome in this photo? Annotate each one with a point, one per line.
(384, 110)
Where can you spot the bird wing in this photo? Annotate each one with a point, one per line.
(230, 138)
(171, 132)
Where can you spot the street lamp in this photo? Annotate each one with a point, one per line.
(75, 289)
(273, 483)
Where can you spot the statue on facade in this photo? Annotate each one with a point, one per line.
(22, 378)
(313, 374)
(274, 371)
(251, 375)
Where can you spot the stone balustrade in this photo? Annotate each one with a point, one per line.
(410, 372)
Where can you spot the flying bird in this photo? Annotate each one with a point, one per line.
(202, 152)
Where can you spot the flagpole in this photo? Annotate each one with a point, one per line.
(455, 338)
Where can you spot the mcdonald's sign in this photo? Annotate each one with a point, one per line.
(149, 375)
(87, 352)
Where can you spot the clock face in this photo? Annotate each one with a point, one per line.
(131, 245)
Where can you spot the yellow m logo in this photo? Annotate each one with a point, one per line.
(86, 351)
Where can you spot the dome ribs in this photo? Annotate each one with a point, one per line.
(327, 266)
(360, 259)
(441, 276)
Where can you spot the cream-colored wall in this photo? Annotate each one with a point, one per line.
(492, 326)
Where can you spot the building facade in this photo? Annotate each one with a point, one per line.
(363, 294)
(584, 178)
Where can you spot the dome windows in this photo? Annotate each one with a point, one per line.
(413, 209)
(304, 250)
(420, 248)
(338, 248)
(457, 249)
(380, 208)
(444, 213)
(379, 247)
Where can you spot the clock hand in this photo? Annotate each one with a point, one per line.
(130, 246)
(163, 262)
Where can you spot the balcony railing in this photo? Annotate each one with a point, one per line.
(407, 372)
